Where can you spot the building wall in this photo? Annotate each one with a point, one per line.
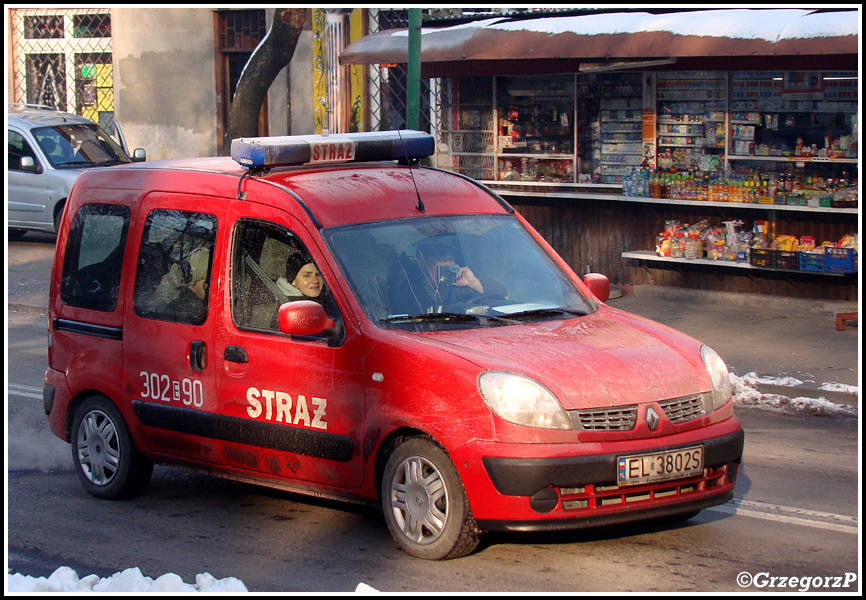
(165, 82)
(165, 89)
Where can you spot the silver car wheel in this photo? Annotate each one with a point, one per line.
(98, 447)
(419, 500)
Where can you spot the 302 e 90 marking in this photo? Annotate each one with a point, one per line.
(157, 386)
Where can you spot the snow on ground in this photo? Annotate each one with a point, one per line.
(65, 579)
(746, 393)
(839, 387)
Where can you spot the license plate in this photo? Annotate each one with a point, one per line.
(660, 466)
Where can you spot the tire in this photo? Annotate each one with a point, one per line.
(424, 502)
(106, 459)
(14, 233)
(58, 216)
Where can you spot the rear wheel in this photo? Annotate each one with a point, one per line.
(424, 502)
(106, 459)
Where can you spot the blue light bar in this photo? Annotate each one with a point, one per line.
(253, 153)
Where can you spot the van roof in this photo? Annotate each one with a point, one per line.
(331, 195)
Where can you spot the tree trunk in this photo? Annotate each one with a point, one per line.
(270, 57)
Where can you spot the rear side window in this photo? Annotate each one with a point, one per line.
(94, 255)
(172, 281)
(18, 148)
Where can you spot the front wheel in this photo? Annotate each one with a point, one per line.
(424, 502)
(106, 459)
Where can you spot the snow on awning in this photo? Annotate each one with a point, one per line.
(702, 33)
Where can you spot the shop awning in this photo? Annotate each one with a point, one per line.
(616, 37)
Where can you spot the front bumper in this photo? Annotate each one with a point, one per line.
(524, 477)
(572, 490)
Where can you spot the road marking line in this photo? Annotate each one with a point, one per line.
(25, 391)
(735, 507)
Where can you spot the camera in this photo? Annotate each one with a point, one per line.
(446, 274)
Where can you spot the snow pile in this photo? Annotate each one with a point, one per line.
(839, 387)
(746, 393)
(65, 579)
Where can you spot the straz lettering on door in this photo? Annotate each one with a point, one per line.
(274, 405)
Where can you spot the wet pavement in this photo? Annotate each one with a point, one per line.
(785, 346)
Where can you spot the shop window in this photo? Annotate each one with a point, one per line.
(43, 27)
(94, 84)
(536, 133)
(691, 121)
(174, 266)
(794, 113)
(94, 256)
(466, 124)
(46, 80)
(91, 25)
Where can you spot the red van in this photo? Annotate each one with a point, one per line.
(323, 315)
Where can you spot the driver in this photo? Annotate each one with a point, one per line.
(447, 283)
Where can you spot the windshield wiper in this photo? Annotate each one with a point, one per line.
(547, 312)
(75, 163)
(444, 317)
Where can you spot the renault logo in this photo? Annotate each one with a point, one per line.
(652, 418)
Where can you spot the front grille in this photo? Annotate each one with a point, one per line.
(680, 410)
(620, 418)
(624, 418)
(595, 496)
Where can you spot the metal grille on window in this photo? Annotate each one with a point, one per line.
(464, 125)
(338, 86)
(387, 83)
(61, 58)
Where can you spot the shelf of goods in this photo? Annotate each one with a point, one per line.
(752, 247)
(691, 119)
(793, 116)
(621, 141)
(843, 261)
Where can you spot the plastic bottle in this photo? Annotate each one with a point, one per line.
(654, 185)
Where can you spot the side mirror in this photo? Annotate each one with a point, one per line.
(303, 317)
(29, 165)
(599, 285)
(139, 155)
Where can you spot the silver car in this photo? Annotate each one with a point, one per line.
(47, 150)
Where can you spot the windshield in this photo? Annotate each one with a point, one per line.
(79, 146)
(453, 272)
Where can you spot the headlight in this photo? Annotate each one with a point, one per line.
(521, 400)
(722, 388)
